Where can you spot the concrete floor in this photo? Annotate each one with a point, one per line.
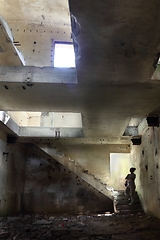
(101, 226)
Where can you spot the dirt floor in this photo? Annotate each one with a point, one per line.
(99, 226)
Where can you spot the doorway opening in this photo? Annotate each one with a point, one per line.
(119, 166)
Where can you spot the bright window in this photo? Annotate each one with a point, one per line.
(64, 56)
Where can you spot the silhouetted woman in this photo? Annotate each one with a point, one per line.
(130, 185)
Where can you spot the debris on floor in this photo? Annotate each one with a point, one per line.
(83, 227)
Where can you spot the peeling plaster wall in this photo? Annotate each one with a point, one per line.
(52, 188)
(11, 176)
(146, 159)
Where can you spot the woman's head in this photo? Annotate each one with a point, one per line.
(132, 169)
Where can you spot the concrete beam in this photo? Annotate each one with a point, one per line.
(50, 132)
(7, 124)
(65, 136)
(30, 75)
(10, 55)
(131, 131)
(142, 127)
(79, 141)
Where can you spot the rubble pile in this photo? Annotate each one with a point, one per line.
(83, 227)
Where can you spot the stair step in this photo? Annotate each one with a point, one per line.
(129, 211)
(130, 207)
(123, 197)
(116, 193)
(121, 203)
(126, 201)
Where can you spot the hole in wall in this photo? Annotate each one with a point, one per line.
(156, 152)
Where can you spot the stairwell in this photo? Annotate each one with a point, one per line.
(120, 200)
(121, 203)
(77, 169)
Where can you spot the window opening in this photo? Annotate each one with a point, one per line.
(64, 56)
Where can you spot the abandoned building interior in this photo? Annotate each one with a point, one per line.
(79, 105)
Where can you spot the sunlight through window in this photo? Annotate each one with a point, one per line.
(64, 56)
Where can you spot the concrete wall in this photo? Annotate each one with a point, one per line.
(60, 119)
(25, 118)
(50, 22)
(11, 176)
(119, 166)
(52, 188)
(95, 158)
(146, 159)
(30, 181)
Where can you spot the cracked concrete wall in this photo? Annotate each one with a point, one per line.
(11, 176)
(52, 188)
(146, 159)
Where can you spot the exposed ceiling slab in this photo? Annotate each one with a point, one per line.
(119, 40)
(119, 44)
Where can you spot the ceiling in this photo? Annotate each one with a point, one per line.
(119, 44)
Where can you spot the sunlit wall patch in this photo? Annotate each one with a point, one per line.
(64, 56)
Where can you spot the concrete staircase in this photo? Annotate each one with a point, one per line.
(121, 203)
(77, 169)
